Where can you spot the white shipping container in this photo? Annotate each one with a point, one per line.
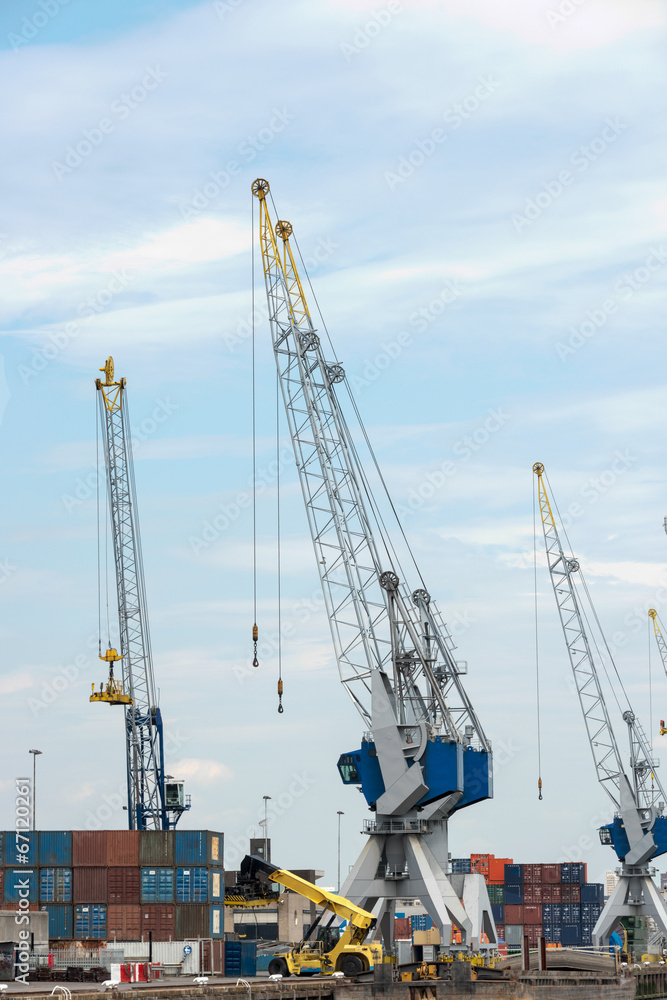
(514, 935)
(403, 952)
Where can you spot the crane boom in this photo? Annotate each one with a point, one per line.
(662, 649)
(151, 805)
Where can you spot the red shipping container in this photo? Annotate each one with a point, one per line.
(89, 847)
(89, 885)
(533, 932)
(123, 848)
(14, 907)
(160, 919)
(402, 928)
(497, 869)
(533, 894)
(124, 922)
(500, 931)
(556, 894)
(532, 914)
(532, 874)
(218, 958)
(124, 885)
(551, 873)
(513, 913)
(570, 893)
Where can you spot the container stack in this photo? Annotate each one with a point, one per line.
(106, 885)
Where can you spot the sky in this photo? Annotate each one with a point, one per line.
(477, 191)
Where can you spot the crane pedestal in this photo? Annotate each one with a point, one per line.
(635, 895)
(407, 859)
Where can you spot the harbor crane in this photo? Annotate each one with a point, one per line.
(662, 649)
(638, 832)
(154, 801)
(424, 754)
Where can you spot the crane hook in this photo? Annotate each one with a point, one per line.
(280, 696)
(255, 637)
(539, 788)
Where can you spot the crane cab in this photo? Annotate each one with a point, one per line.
(174, 794)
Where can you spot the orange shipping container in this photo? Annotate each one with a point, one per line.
(124, 922)
(123, 848)
(497, 869)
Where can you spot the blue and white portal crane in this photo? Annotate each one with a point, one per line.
(638, 832)
(154, 802)
(424, 754)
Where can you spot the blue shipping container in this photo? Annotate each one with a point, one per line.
(592, 892)
(570, 934)
(15, 848)
(18, 880)
(157, 885)
(216, 885)
(55, 848)
(590, 912)
(551, 933)
(573, 871)
(587, 933)
(513, 894)
(191, 885)
(217, 927)
(198, 847)
(461, 865)
(61, 924)
(514, 874)
(571, 913)
(90, 921)
(421, 922)
(55, 885)
(498, 910)
(240, 958)
(552, 913)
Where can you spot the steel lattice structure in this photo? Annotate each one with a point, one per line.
(376, 621)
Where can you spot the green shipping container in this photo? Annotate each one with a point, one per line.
(496, 893)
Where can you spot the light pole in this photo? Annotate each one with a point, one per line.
(339, 814)
(35, 755)
(267, 799)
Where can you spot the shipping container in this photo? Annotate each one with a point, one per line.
(570, 893)
(496, 893)
(497, 869)
(532, 913)
(421, 922)
(514, 874)
(2, 883)
(402, 928)
(240, 958)
(192, 921)
(191, 885)
(570, 935)
(156, 849)
(89, 848)
(159, 918)
(513, 894)
(513, 935)
(61, 921)
(590, 912)
(571, 913)
(513, 913)
(573, 871)
(123, 848)
(55, 885)
(55, 848)
(216, 921)
(20, 879)
(216, 885)
(532, 893)
(586, 934)
(13, 907)
(500, 931)
(124, 885)
(124, 922)
(532, 874)
(551, 892)
(461, 865)
(592, 892)
(157, 885)
(198, 847)
(15, 844)
(218, 958)
(551, 933)
(498, 910)
(90, 920)
(479, 863)
(533, 932)
(551, 873)
(552, 913)
(89, 885)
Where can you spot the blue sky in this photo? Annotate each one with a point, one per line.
(478, 191)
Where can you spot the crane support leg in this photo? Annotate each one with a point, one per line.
(635, 896)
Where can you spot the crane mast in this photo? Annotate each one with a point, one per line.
(638, 832)
(153, 803)
(424, 754)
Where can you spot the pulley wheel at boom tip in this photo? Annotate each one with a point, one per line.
(421, 595)
(652, 613)
(335, 373)
(284, 229)
(538, 468)
(389, 580)
(260, 188)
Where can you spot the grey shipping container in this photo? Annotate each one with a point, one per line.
(55, 885)
(513, 934)
(55, 848)
(156, 849)
(157, 885)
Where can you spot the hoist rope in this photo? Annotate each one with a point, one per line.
(255, 631)
(99, 558)
(280, 630)
(537, 651)
(650, 680)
